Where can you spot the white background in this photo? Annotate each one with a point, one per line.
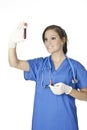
(16, 94)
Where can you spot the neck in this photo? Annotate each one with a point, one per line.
(56, 57)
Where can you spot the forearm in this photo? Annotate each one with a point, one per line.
(78, 94)
(12, 57)
(17, 37)
(15, 62)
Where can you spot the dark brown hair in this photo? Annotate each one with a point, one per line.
(61, 32)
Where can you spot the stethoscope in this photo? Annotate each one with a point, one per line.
(74, 80)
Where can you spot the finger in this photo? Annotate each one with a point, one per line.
(20, 26)
(59, 84)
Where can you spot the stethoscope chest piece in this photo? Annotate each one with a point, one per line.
(74, 81)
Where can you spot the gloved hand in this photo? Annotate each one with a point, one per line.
(60, 88)
(17, 36)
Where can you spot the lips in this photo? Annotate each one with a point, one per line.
(51, 47)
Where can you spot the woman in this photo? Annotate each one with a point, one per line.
(56, 90)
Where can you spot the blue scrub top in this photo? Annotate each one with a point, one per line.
(54, 112)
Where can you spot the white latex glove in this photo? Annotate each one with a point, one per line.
(17, 36)
(60, 88)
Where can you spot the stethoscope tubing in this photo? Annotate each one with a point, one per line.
(74, 80)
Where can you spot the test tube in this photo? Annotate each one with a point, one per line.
(25, 30)
(51, 82)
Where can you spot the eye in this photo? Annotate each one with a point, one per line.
(45, 39)
(53, 38)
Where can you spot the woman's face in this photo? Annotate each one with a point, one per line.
(52, 42)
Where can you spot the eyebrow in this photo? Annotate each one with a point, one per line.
(51, 36)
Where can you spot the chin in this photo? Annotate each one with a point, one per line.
(50, 51)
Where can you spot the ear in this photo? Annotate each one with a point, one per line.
(64, 39)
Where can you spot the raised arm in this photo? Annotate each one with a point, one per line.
(17, 36)
(15, 62)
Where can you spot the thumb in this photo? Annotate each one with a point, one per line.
(59, 84)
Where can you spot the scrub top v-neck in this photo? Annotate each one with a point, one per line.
(54, 112)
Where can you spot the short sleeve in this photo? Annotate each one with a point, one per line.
(81, 76)
(34, 66)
